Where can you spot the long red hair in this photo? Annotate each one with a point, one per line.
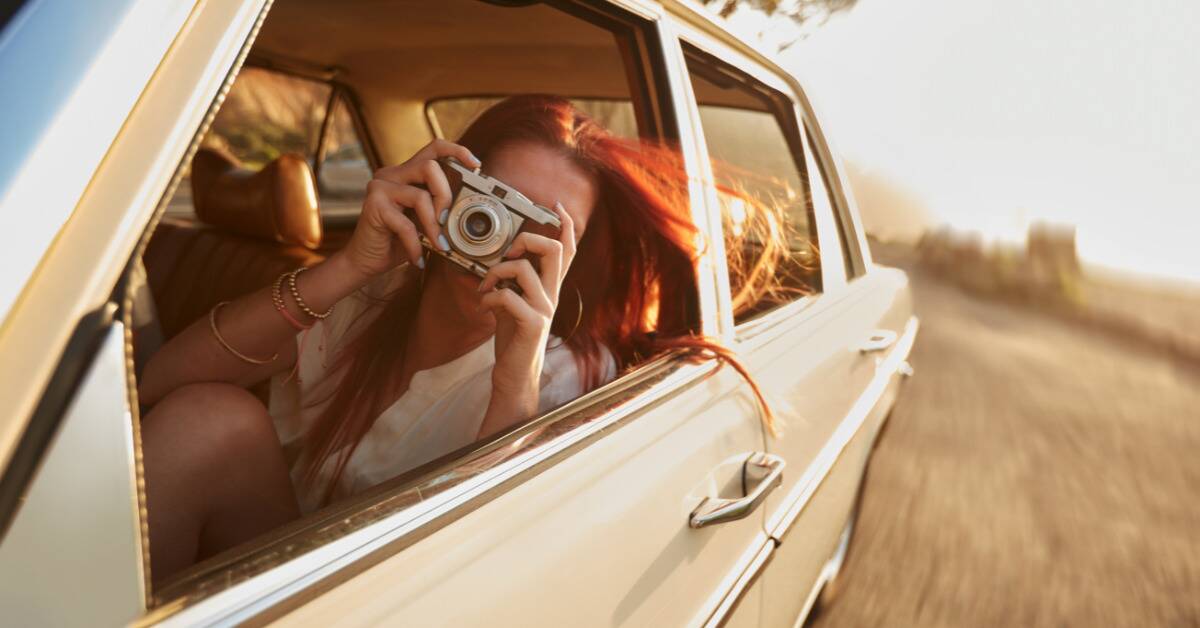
(631, 288)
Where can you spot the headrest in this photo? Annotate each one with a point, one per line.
(277, 203)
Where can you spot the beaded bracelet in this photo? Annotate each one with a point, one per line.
(281, 307)
(299, 301)
(212, 323)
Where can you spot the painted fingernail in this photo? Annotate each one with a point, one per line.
(477, 160)
(444, 216)
(442, 242)
(421, 263)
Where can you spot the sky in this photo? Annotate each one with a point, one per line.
(996, 113)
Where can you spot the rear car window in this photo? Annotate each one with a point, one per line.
(762, 184)
(449, 117)
(268, 114)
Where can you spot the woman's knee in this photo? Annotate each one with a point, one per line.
(209, 418)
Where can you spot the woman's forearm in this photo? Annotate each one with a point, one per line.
(253, 327)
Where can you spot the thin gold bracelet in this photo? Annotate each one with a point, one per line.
(299, 301)
(212, 323)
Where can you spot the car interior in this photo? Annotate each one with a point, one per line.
(331, 91)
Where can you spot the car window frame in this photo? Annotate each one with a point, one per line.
(833, 276)
(250, 583)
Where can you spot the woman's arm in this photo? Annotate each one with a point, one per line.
(252, 326)
(523, 321)
(383, 238)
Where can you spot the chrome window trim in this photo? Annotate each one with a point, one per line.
(285, 572)
(779, 523)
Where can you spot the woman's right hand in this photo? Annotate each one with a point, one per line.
(385, 235)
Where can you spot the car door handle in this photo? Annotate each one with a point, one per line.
(761, 474)
(880, 340)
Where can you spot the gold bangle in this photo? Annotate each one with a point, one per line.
(212, 323)
(299, 301)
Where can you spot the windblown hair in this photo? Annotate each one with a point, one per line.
(630, 290)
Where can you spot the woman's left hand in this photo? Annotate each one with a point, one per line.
(523, 320)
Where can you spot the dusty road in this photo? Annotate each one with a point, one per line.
(1033, 474)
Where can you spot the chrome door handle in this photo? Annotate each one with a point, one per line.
(763, 472)
(880, 339)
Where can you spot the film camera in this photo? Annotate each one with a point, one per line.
(485, 216)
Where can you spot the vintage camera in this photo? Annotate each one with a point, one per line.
(485, 216)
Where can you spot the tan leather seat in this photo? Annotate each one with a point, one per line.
(250, 228)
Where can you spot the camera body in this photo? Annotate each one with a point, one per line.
(485, 215)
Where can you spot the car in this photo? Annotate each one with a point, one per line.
(661, 498)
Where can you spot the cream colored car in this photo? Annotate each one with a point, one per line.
(658, 499)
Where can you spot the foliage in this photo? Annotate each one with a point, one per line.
(800, 11)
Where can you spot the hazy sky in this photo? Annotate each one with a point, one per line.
(998, 112)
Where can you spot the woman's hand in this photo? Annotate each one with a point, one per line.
(385, 236)
(523, 320)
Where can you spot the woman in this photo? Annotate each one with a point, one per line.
(408, 361)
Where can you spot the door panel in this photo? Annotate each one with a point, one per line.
(73, 555)
(838, 396)
(600, 538)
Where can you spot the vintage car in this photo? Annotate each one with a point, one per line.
(658, 499)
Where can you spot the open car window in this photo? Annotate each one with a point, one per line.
(376, 107)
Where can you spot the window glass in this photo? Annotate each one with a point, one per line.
(823, 201)
(761, 180)
(268, 114)
(449, 117)
(344, 170)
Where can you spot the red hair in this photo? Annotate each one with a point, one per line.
(630, 290)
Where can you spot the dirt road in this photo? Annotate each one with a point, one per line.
(1033, 474)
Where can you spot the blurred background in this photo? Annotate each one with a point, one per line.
(1035, 166)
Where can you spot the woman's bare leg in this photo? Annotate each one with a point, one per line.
(215, 474)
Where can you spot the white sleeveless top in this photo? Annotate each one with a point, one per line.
(441, 411)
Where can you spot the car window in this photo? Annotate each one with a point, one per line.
(823, 200)
(761, 180)
(449, 117)
(192, 267)
(343, 170)
(268, 114)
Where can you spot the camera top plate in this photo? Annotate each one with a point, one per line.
(512, 198)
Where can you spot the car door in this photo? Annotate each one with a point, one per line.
(633, 505)
(816, 351)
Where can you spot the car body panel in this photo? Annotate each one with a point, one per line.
(610, 528)
(70, 576)
(60, 129)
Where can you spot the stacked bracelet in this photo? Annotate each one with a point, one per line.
(277, 299)
(299, 301)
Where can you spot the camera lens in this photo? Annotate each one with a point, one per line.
(478, 225)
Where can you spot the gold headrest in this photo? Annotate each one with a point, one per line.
(276, 203)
